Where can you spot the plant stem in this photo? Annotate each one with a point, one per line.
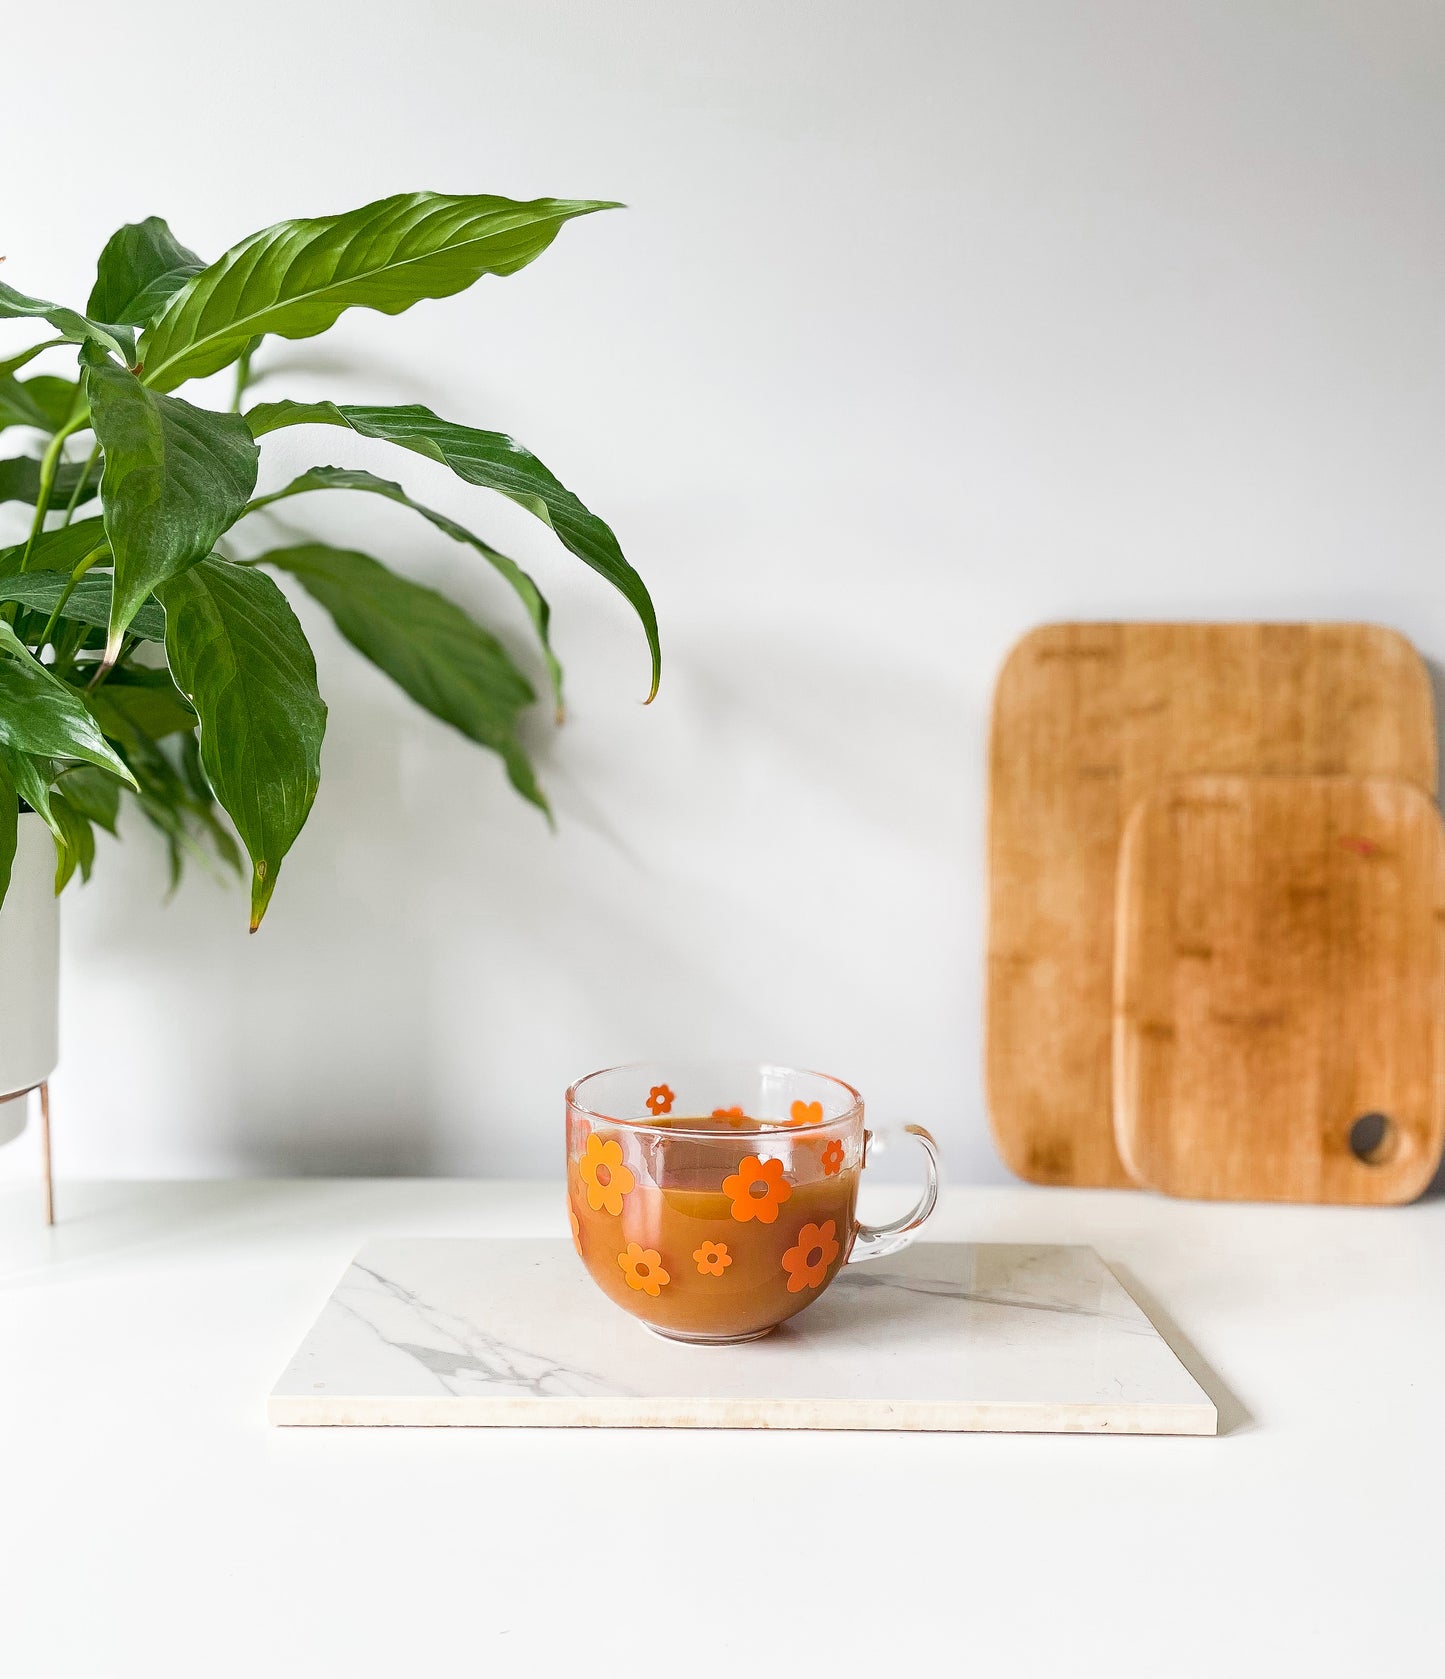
(243, 374)
(49, 465)
(67, 645)
(80, 482)
(103, 669)
(66, 593)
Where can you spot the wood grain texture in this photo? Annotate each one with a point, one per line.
(1280, 972)
(1090, 718)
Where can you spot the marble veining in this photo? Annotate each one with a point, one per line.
(945, 1336)
(460, 1354)
(941, 1288)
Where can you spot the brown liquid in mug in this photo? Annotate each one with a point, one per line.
(725, 1276)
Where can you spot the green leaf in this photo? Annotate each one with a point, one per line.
(39, 714)
(495, 462)
(89, 601)
(74, 328)
(176, 477)
(44, 401)
(203, 804)
(141, 266)
(347, 478)
(171, 820)
(93, 793)
(9, 828)
(58, 550)
(140, 702)
(12, 364)
(239, 656)
(20, 481)
(17, 407)
(179, 804)
(295, 278)
(75, 840)
(426, 644)
(32, 777)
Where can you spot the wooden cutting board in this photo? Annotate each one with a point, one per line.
(1280, 973)
(1088, 719)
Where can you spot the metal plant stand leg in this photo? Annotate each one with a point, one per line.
(45, 1151)
(24, 1096)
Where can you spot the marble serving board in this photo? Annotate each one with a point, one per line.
(944, 1336)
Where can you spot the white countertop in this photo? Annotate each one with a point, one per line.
(152, 1524)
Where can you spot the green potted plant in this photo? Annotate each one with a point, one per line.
(140, 657)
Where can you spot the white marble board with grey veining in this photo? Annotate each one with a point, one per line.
(944, 1336)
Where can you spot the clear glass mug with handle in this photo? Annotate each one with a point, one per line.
(714, 1200)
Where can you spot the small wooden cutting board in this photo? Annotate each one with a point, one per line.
(1090, 718)
(1280, 975)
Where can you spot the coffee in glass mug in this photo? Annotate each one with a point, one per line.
(715, 1200)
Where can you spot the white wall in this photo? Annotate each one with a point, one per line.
(926, 322)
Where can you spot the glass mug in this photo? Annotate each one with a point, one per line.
(715, 1200)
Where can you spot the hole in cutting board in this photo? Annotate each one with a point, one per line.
(1374, 1139)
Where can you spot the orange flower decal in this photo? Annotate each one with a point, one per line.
(643, 1269)
(576, 1232)
(729, 1113)
(807, 1263)
(833, 1159)
(606, 1178)
(806, 1113)
(757, 1189)
(713, 1258)
(660, 1100)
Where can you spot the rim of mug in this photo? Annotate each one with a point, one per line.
(768, 1127)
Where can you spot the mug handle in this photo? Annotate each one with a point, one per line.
(872, 1241)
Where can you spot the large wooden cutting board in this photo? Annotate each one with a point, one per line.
(1088, 719)
(1280, 974)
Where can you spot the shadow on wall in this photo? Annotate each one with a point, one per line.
(437, 964)
(288, 1052)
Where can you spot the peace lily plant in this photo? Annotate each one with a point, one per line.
(137, 658)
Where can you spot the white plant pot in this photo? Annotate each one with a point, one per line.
(29, 972)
